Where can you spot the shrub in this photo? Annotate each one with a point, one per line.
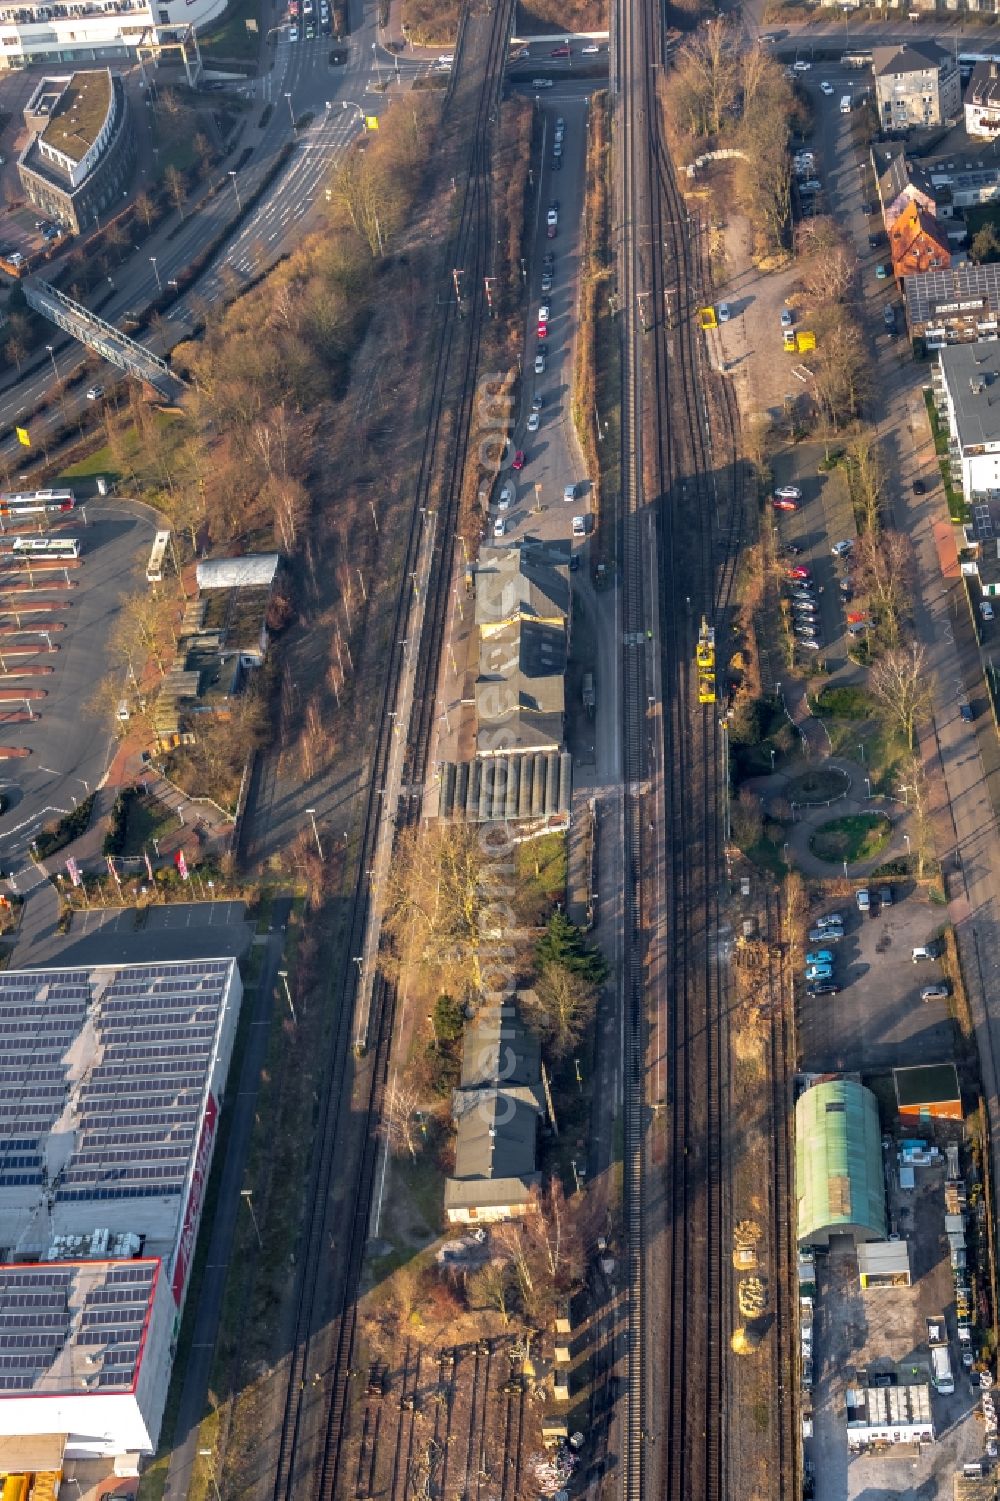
(55, 836)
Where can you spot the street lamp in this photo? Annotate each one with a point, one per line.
(207, 1454)
(247, 1194)
(312, 819)
(291, 113)
(156, 269)
(283, 974)
(52, 357)
(236, 190)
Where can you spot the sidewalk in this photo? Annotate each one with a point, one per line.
(809, 817)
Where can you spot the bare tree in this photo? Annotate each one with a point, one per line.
(828, 261)
(916, 784)
(868, 472)
(840, 369)
(493, 1287)
(398, 1122)
(562, 1005)
(747, 819)
(145, 208)
(882, 566)
(176, 188)
(436, 900)
(898, 682)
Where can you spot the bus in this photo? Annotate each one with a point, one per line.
(36, 502)
(48, 547)
(154, 568)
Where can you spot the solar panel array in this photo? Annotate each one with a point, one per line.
(100, 1309)
(136, 1109)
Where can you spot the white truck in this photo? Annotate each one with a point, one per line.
(944, 1381)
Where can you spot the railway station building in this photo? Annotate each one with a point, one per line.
(839, 1182)
(113, 1078)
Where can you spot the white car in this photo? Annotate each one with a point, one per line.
(95, 393)
(500, 526)
(986, 609)
(800, 65)
(541, 83)
(543, 313)
(552, 217)
(293, 33)
(534, 421)
(505, 497)
(724, 313)
(788, 492)
(826, 87)
(447, 57)
(539, 363)
(579, 526)
(841, 549)
(591, 50)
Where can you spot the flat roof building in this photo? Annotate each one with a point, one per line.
(929, 1090)
(81, 150)
(839, 1183)
(956, 306)
(967, 389)
(892, 1414)
(111, 1081)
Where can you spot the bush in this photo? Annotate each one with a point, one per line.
(114, 839)
(846, 701)
(55, 836)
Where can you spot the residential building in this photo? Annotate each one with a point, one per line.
(918, 242)
(839, 1184)
(81, 153)
(901, 182)
(497, 1108)
(106, 1142)
(982, 101)
(916, 84)
(967, 389)
(956, 306)
(523, 614)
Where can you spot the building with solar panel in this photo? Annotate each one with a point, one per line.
(112, 1079)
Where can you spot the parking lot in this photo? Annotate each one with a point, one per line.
(183, 930)
(823, 517)
(56, 618)
(878, 1019)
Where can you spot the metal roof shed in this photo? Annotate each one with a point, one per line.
(884, 1263)
(839, 1186)
(929, 1090)
(256, 571)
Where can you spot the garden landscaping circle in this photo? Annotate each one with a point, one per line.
(860, 836)
(820, 785)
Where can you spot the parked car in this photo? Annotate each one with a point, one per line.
(923, 951)
(882, 272)
(820, 956)
(724, 313)
(546, 281)
(539, 363)
(786, 317)
(499, 526)
(95, 393)
(831, 920)
(506, 496)
(819, 972)
(579, 526)
(552, 217)
(782, 503)
(825, 935)
(863, 899)
(800, 572)
(986, 609)
(811, 645)
(534, 419)
(789, 492)
(965, 710)
(841, 549)
(825, 989)
(919, 488)
(519, 459)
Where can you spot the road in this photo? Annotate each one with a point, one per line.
(955, 754)
(241, 1104)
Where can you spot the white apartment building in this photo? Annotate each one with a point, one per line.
(968, 396)
(84, 31)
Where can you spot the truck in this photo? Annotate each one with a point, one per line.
(942, 1378)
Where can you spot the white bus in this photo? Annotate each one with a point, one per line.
(36, 502)
(154, 568)
(48, 547)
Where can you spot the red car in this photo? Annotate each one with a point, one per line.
(559, 52)
(519, 459)
(782, 503)
(799, 573)
(543, 330)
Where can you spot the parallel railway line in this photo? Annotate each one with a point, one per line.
(455, 357)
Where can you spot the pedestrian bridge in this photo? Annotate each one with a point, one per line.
(109, 342)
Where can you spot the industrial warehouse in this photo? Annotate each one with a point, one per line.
(113, 1078)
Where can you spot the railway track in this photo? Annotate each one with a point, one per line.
(784, 1449)
(685, 472)
(454, 364)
